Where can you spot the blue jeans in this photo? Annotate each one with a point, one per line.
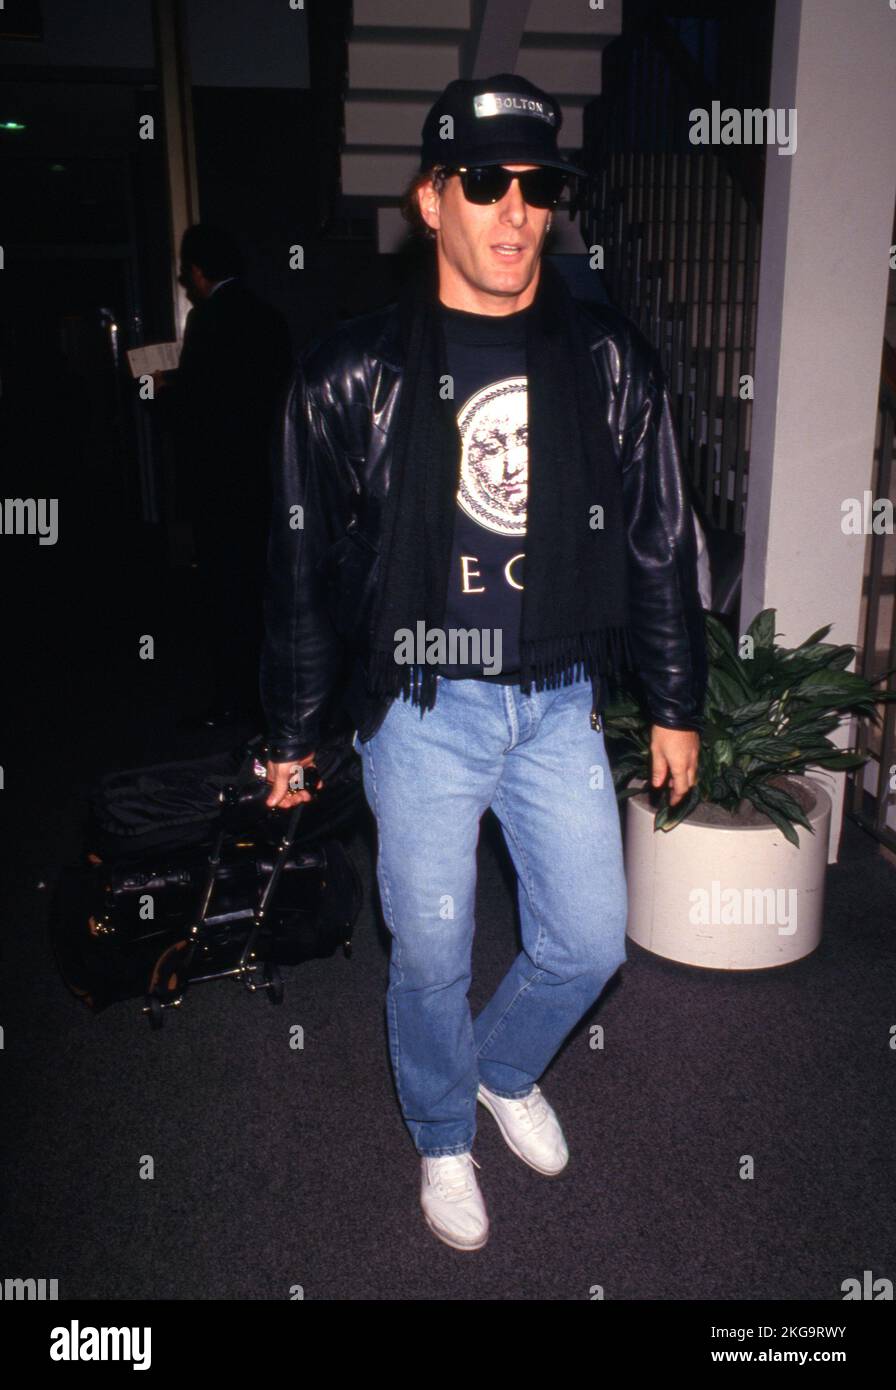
(428, 778)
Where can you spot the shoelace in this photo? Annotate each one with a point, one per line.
(532, 1107)
(455, 1182)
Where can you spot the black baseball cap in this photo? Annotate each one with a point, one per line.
(494, 120)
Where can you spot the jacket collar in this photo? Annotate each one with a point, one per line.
(389, 348)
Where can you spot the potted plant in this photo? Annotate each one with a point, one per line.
(736, 879)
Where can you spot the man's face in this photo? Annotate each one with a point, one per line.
(185, 280)
(190, 278)
(488, 256)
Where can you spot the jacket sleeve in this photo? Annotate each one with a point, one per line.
(302, 655)
(667, 624)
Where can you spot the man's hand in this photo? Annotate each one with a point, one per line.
(674, 752)
(278, 775)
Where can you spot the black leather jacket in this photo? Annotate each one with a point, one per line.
(331, 466)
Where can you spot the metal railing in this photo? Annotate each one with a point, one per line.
(679, 225)
(871, 790)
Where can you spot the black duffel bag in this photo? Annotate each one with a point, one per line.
(179, 803)
(178, 857)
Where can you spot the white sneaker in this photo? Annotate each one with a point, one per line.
(530, 1128)
(451, 1201)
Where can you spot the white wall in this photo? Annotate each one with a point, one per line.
(822, 299)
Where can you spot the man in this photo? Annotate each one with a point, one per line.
(235, 361)
(429, 449)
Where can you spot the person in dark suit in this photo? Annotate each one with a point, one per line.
(221, 402)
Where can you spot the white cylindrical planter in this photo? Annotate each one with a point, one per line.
(728, 892)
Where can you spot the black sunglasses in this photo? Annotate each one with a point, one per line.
(488, 183)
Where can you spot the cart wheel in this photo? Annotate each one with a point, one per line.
(156, 1012)
(274, 982)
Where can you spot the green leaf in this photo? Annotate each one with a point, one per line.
(714, 729)
(756, 709)
(667, 817)
(776, 752)
(762, 629)
(839, 687)
(734, 778)
(782, 801)
(780, 821)
(718, 637)
(817, 636)
(838, 761)
(814, 718)
(724, 691)
(842, 658)
(763, 743)
(723, 752)
(821, 655)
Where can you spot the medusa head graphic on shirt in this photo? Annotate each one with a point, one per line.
(494, 471)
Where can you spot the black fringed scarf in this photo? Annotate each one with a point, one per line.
(574, 604)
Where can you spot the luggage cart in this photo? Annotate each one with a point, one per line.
(260, 889)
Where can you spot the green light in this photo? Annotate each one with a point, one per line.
(11, 125)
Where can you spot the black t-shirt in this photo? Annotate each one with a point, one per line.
(487, 361)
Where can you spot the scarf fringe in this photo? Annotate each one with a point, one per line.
(388, 677)
(546, 664)
(556, 661)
